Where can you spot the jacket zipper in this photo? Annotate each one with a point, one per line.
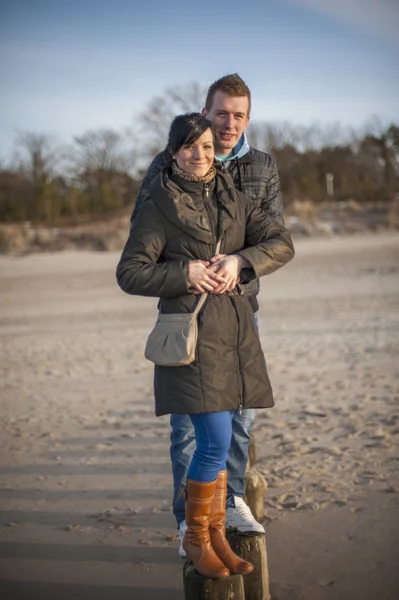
(208, 208)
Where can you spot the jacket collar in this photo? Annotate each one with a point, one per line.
(248, 157)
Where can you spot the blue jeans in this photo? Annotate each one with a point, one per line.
(213, 431)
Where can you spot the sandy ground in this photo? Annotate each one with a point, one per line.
(85, 481)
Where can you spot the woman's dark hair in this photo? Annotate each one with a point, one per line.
(186, 129)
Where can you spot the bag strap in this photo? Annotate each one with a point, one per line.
(204, 296)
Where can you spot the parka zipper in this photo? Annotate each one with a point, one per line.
(208, 208)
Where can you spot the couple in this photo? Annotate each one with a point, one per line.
(207, 185)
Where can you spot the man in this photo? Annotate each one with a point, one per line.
(227, 106)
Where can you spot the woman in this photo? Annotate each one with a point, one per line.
(170, 254)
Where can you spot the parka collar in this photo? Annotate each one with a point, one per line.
(178, 207)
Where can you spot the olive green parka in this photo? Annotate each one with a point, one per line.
(181, 221)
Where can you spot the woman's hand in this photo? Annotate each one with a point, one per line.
(200, 279)
(228, 267)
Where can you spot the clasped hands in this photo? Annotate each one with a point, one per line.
(220, 274)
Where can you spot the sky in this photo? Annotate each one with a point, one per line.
(68, 66)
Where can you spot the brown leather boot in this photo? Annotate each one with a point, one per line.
(196, 542)
(221, 546)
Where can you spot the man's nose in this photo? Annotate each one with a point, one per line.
(229, 121)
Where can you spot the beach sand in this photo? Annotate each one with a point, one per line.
(85, 477)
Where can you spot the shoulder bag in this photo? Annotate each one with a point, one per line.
(173, 341)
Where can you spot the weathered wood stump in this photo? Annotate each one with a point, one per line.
(252, 547)
(198, 587)
(252, 457)
(255, 484)
(255, 492)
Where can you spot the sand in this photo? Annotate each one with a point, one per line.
(85, 478)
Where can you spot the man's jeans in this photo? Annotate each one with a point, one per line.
(182, 446)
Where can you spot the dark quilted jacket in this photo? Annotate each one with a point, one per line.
(173, 227)
(255, 174)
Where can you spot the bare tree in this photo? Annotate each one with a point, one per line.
(37, 155)
(37, 159)
(102, 149)
(102, 163)
(271, 137)
(155, 120)
(385, 143)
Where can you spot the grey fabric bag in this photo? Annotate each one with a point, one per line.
(173, 341)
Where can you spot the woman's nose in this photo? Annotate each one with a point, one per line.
(198, 153)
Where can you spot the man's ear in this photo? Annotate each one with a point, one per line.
(248, 119)
(203, 112)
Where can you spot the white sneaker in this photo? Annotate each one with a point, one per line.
(241, 518)
(181, 530)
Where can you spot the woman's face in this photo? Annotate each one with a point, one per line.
(197, 158)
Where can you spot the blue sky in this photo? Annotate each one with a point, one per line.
(69, 66)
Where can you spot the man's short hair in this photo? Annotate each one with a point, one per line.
(232, 85)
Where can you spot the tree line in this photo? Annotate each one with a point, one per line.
(100, 172)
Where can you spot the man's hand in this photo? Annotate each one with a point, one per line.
(229, 267)
(200, 279)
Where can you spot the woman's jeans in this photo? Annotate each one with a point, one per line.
(182, 448)
(213, 438)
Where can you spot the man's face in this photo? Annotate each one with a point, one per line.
(229, 115)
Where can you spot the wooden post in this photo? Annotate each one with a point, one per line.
(255, 492)
(255, 484)
(198, 587)
(252, 547)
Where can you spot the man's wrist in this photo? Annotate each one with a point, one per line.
(243, 262)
